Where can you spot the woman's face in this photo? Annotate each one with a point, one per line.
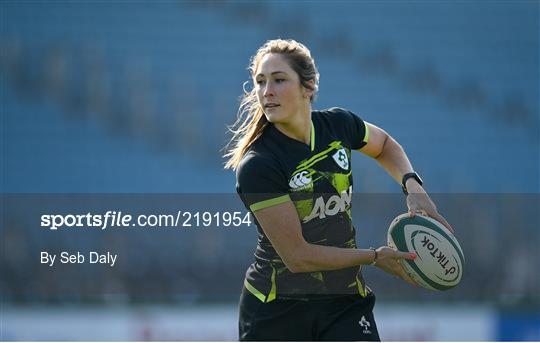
(279, 91)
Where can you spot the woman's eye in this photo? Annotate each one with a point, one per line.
(280, 80)
(259, 82)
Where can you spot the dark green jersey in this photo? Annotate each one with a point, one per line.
(317, 178)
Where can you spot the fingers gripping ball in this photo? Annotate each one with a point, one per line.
(439, 263)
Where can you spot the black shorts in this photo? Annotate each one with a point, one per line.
(343, 318)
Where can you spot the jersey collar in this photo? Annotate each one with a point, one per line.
(283, 137)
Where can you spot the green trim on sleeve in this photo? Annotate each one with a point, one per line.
(366, 135)
(312, 136)
(270, 202)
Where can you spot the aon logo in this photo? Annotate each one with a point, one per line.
(336, 203)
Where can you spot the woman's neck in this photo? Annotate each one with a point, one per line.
(298, 129)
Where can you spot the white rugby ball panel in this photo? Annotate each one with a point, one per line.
(440, 260)
(415, 276)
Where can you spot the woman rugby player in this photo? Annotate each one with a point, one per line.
(294, 174)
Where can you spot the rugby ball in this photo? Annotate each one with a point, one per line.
(439, 259)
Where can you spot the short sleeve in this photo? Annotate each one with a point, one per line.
(260, 183)
(353, 128)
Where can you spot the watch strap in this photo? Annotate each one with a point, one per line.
(408, 176)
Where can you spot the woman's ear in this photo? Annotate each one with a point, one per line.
(308, 92)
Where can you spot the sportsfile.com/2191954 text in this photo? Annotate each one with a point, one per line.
(118, 219)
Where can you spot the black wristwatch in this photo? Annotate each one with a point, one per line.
(408, 176)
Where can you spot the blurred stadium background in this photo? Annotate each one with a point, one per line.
(134, 97)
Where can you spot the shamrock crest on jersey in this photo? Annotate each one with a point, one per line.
(341, 159)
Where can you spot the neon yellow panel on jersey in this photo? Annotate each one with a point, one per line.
(254, 291)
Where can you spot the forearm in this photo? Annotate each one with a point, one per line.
(313, 257)
(394, 159)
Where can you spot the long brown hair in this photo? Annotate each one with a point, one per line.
(251, 120)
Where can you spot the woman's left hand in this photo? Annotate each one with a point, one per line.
(418, 201)
(389, 260)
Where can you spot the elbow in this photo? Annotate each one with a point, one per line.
(383, 146)
(298, 264)
(388, 146)
(297, 267)
(397, 145)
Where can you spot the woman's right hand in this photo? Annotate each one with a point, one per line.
(388, 259)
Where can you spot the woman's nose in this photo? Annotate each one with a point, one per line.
(268, 90)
